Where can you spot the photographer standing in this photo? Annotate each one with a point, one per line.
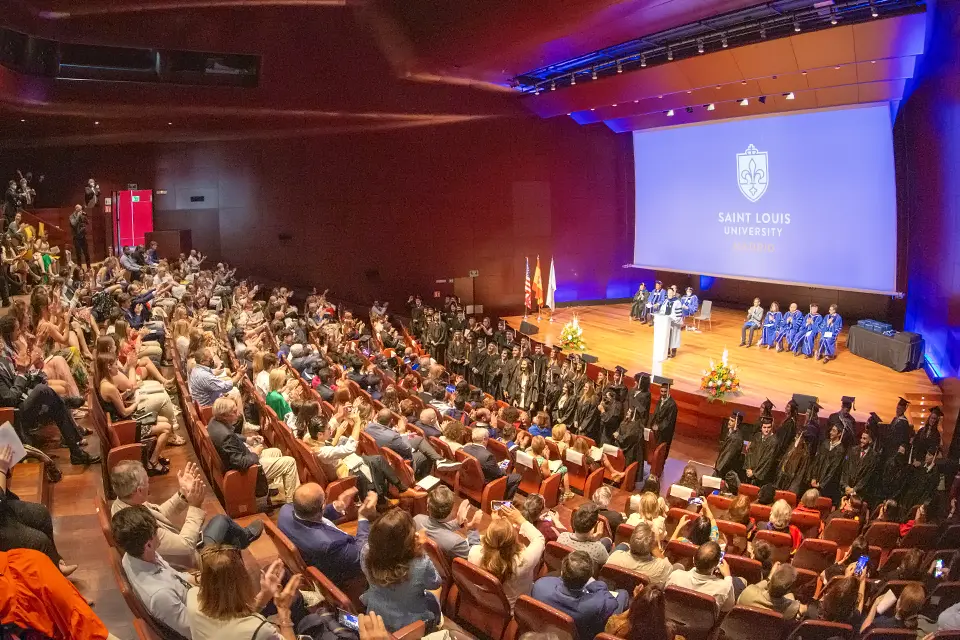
(91, 194)
(11, 202)
(78, 224)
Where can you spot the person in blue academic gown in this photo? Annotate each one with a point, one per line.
(690, 303)
(656, 299)
(771, 322)
(804, 341)
(789, 325)
(829, 330)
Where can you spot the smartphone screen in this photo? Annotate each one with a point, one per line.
(695, 500)
(722, 553)
(496, 505)
(938, 568)
(451, 388)
(348, 620)
(861, 564)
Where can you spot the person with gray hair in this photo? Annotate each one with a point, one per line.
(177, 544)
(644, 556)
(488, 463)
(416, 449)
(441, 524)
(602, 497)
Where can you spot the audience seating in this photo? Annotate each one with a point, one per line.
(118, 441)
(471, 484)
(889, 634)
(144, 632)
(133, 602)
(781, 542)
(736, 535)
(694, 614)
(950, 538)
(477, 598)
(594, 481)
(820, 630)
(532, 615)
(413, 631)
(532, 481)
(553, 555)
(659, 460)
(681, 552)
(885, 535)
(944, 595)
(620, 578)
(719, 505)
(806, 585)
(441, 563)
(104, 518)
(922, 536)
(623, 533)
(815, 554)
(760, 513)
(843, 531)
(789, 496)
(749, 490)
(751, 623)
(743, 567)
(824, 506)
(808, 523)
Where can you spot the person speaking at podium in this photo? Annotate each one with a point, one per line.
(674, 308)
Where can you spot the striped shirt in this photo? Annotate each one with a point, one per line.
(205, 387)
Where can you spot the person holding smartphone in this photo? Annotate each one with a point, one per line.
(710, 576)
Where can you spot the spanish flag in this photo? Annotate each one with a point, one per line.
(538, 284)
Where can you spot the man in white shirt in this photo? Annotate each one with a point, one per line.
(710, 575)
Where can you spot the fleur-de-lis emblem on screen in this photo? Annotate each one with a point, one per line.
(752, 173)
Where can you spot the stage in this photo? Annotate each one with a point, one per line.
(614, 340)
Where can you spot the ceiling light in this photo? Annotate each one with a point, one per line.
(789, 95)
(643, 60)
(536, 90)
(763, 99)
(873, 10)
(743, 102)
(763, 33)
(97, 122)
(22, 120)
(873, 62)
(669, 54)
(699, 45)
(619, 67)
(670, 113)
(689, 109)
(553, 85)
(711, 107)
(171, 124)
(723, 41)
(636, 101)
(573, 79)
(614, 104)
(593, 108)
(833, 17)
(803, 72)
(796, 26)
(743, 82)
(593, 74)
(837, 68)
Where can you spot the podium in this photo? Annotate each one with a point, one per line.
(661, 342)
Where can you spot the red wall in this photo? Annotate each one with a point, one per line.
(388, 212)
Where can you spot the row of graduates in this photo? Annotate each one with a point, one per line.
(886, 461)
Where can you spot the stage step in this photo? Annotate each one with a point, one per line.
(920, 405)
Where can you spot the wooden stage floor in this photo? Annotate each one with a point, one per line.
(615, 340)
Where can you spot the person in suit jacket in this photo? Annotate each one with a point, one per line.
(441, 524)
(664, 418)
(308, 522)
(91, 193)
(488, 464)
(416, 449)
(590, 604)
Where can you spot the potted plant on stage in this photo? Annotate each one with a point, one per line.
(571, 336)
(720, 380)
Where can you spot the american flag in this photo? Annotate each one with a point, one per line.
(527, 288)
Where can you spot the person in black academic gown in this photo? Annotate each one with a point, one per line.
(787, 431)
(860, 468)
(893, 476)
(897, 433)
(587, 420)
(638, 400)
(844, 421)
(524, 390)
(611, 414)
(828, 464)
(730, 456)
(551, 393)
(760, 465)
(617, 385)
(923, 480)
(927, 436)
(565, 406)
(457, 354)
(631, 434)
(664, 418)
(797, 461)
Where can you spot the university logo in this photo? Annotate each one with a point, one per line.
(752, 173)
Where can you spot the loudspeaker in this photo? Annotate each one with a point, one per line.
(528, 329)
(589, 359)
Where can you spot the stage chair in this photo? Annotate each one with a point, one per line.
(695, 614)
(704, 316)
(751, 623)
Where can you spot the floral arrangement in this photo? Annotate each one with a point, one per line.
(720, 380)
(571, 336)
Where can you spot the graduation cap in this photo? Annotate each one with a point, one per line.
(847, 401)
(659, 282)
(738, 415)
(640, 374)
(767, 405)
(903, 402)
(528, 360)
(874, 419)
(804, 402)
(766, 420)
(556, 348)
(619, 369)
(662, 381)
(791, 403)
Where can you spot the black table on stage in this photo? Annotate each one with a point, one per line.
(886, 350)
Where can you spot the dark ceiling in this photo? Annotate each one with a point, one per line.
(330, 66)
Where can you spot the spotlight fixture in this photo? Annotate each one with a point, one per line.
(796, 26)
(873, 10)
(789, 95)
(573, 79)
(536, 90)
(711, 107)
(763, 99)
(723, 40)
(669, 54)
(833, 17)
(689, 109)
(97, 122)
(699, 45)
(743, 102)
(23, 120)
(619, 67)
(553, 85)
(614, 104)
(670, 113)
(593, 73)
(169, 124)
(643, 60)
(763, 33)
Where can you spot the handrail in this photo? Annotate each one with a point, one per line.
(37, 220)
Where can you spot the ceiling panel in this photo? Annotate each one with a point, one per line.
(886, 69)
(903, 36)
(881, 91)
(831, 76)
(766, 58)
(824, 48)
(835, 96)
(783, 83)
(801, 100)
(710, 69)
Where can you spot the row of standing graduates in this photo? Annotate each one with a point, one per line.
(887, 461)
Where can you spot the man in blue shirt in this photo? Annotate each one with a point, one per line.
(308, 522)
(589, 602)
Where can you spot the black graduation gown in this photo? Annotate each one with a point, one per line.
(665, 415)
(476, 370)
(730, 457)
(457, 357)
(588, 419)
(500, 338)
(639, 407)
(610, 420)
(530, 391)
(826, 469)
(639, 302)
(892, 480)
(923, 441)
(921, 486)
(847, 431)
(578, 381)
(509, 371)
(785, 435)
(494, 378)
(859, 470)
(620, 390)
(632, 442)
(893, 435)
(540, 369)
(565, 414)
(762, 458)
(794, 471)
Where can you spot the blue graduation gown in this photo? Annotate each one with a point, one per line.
(829, 330)
(656, 300)
(690, 304)
(789, 321)
(771, 322)
(807, 335)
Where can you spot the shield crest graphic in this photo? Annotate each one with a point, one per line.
(752, 173)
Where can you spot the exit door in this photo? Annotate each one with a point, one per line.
(133, 216)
